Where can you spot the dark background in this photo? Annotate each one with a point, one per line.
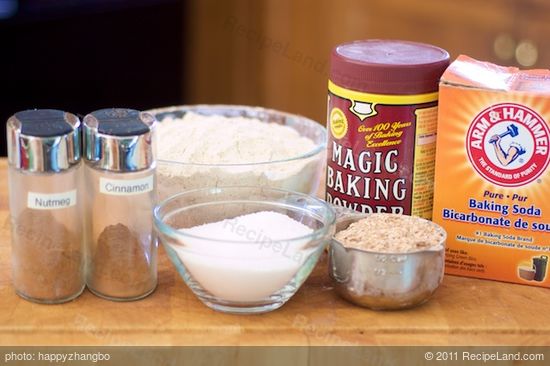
(80, 56)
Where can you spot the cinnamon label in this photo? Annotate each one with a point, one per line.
(121, 187)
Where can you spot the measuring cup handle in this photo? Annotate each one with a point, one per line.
(345, 216)
(343, 213)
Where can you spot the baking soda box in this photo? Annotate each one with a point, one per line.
(492, 181)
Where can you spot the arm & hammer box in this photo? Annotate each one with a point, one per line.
(492, 176)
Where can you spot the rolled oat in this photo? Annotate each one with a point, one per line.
(392, 233)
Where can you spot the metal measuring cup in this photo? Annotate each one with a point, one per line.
(383, 281)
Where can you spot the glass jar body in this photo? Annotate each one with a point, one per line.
(46, 211)
(122, 250)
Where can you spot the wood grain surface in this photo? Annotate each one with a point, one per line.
(463, 312)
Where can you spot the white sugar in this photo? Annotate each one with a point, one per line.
(252, 228)
(246, 258)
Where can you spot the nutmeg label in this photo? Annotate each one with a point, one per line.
(51, 201)
(381, 151)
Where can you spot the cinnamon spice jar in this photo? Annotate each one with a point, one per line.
(120, 194)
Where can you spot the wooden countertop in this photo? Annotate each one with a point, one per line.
(463, 312)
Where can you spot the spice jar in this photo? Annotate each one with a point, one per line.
(382, 119)
(120, 179)
(45, 207)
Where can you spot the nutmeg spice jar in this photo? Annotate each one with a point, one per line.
(45, 202)
(120, 194)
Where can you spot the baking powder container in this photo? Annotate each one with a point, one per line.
(45, 205)
(119, 147)
(382, 118)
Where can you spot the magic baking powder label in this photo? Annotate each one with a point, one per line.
(381, 151)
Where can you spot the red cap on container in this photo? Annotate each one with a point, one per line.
(388, 66)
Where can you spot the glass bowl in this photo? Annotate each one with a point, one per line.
(299, 173)
(255, 270)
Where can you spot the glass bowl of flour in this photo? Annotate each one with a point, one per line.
(226, 145)
(244, 249)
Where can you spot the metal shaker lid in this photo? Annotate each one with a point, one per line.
(119, 139)
(43, 140)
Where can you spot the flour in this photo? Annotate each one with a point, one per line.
(222, 140)
(247, 258)
(209, 151)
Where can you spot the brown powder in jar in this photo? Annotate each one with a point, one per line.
(120, 267)
(392, 233)
(47, 257)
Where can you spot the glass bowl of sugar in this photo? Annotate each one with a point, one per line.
(244, 249)
(232, 145)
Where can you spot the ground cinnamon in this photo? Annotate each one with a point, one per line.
(120, 266)
(47, 257)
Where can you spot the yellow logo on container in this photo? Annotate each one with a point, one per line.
(338, 123)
